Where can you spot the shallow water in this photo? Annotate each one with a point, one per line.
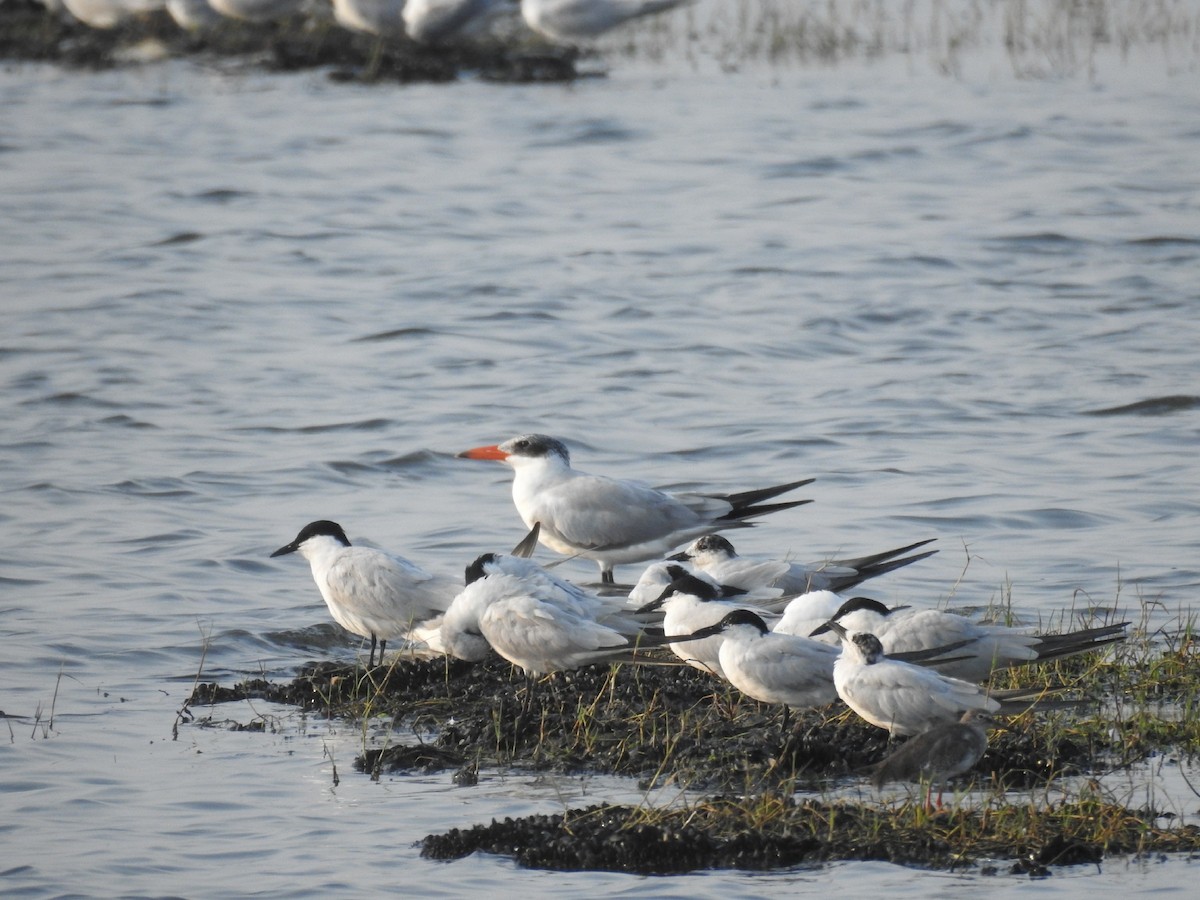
(238, 302)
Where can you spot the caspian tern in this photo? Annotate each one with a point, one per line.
(937, 755)
(991, 647)
(903, 698)
(536, 621)
(574, 20)
(610, 520)
(715, 556)
(372, 593)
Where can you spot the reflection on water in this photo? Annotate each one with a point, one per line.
(962, 305)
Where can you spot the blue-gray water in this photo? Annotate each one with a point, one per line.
(234, 303)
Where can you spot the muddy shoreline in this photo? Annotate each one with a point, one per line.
(653, 723)
(674, 725)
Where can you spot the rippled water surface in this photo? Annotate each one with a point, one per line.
(236, 303)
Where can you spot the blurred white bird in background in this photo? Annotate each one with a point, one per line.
(570, 21)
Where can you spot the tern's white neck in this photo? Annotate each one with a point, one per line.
(532, 476)
(321, 550)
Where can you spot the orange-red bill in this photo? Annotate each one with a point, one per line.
(490, 452)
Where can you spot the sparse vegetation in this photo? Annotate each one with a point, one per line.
(774, 830)
(1036, 799)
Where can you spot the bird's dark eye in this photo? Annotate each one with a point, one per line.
(522, 445)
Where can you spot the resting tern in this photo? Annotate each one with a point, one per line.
(937, 755)
(658, 575)
(536, 620)
(610, 520)
(807, 614)
(691, 607)
(714, 555)
(573, 20)
(991, 647)
(899, 696)
(779, 668)
(774, 668)
(372, 593)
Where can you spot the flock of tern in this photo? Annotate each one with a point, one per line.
(424, 21)
(780, 632)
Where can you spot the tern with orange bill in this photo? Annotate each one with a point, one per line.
(615, 521)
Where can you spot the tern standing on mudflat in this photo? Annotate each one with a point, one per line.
(610, 520)
(372, 593)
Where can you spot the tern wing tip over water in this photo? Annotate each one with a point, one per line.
(743, 499)
(738, 516)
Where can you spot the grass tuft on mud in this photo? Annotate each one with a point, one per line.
(673, 725)
(767, 832)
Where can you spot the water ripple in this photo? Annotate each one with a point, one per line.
(1154, 406)
(394, 334)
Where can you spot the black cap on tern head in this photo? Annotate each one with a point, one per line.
(312, 529)
(535, 445)
(869, 646)
(854, 604)
(687, 583)
(734, 618)
(714, 542)
(745, 617)
(476, 570)
(704, 544)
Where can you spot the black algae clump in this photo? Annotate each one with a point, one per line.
(671, 724)
(768, 833)
(600, 837)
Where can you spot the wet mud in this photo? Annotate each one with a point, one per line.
(721, 834)
(670, 724)
(658, 724)
(28, 32)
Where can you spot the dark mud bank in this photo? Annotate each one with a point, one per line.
(670, 724)
(653, 723)
(774, 832)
